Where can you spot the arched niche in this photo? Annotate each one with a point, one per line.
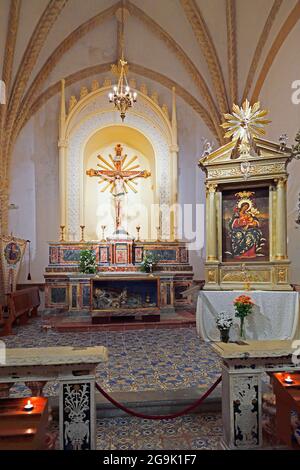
(92, 114)
(98, 207)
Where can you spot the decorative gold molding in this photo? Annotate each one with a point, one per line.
(138, 69)
(212, 275)
(211, 187)
(255, 169)
(239, 276)
(208, 49)
(285, 30)
(260, 46)
(232, 49)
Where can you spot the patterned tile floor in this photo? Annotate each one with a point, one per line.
(197, 432)
(188, 432)
(138, 360)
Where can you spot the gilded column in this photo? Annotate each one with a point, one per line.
(174, 149)
(211, 223)
(281, 229)
(62, 146)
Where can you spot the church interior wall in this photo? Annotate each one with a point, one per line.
(35, 154)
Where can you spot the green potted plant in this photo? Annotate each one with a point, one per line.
(148, 262)
(87, 262)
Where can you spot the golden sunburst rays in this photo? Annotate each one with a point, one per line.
(105, 163)
(109, 183)
(132, 160)
(129, 184)
(245, 122)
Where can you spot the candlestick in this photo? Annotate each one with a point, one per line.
(288, 380)
(82, 227)
(158, 233)
(62, 235)
(138, 228)
(28, 406)
(103, 231)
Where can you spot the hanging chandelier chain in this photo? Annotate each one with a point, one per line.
(121, 95)
(122, 32)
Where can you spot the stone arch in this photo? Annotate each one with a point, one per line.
(92, 113)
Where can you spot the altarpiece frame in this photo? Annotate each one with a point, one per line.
(249, 246)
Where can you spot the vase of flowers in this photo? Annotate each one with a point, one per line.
(224, 322)
(243, 307)
(87, 262)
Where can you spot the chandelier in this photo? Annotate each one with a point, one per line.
(121, 95)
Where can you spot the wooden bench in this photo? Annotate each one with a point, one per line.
(22, 304)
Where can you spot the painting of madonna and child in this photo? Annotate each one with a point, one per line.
(245, 225)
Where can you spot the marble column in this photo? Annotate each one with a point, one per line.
(281, 229)
(211, 223)
(241, 409)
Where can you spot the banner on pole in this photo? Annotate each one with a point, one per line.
(11, 254)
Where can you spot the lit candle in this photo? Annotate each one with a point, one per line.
(28, 406)
(288, 380)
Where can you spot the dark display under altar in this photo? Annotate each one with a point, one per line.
(120, 261)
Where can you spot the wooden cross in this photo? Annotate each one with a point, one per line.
(117, 168)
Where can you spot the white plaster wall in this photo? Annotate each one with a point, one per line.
(34, 188)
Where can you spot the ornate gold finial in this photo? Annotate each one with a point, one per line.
(83, 92)
(95, 85)
(72, 102)
(244, 123)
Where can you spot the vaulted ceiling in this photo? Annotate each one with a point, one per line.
(214, 51)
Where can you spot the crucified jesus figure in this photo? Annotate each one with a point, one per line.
(119, 176)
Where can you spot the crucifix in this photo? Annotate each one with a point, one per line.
(120, 177)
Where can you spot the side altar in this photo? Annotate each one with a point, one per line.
(246, 211)
(67, 288)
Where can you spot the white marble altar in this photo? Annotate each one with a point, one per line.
(275, 315)
(243, 367)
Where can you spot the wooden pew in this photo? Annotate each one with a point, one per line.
(22, 304)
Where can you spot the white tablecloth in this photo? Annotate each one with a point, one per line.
(275, 315)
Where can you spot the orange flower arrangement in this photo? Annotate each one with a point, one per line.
(243, 307)
(243, 299)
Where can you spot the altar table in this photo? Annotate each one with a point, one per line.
(243, 367)
(275, 314)
(74, 369)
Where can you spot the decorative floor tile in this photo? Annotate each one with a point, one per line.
(160, 359)
(184, 433)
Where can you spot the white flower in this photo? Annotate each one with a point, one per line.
(224, 321)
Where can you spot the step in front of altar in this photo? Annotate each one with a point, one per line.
(152, 315)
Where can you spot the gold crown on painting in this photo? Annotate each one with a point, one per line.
(244, 194)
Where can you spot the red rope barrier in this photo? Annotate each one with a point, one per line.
(155, 417)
